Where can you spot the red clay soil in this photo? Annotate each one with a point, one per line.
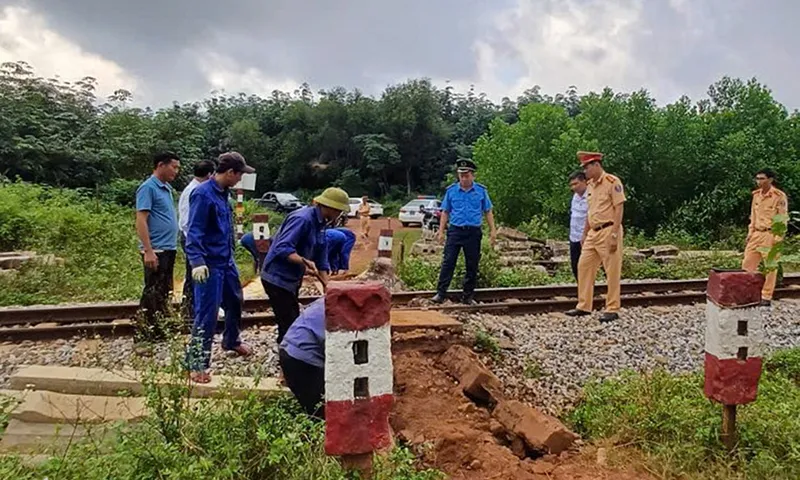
(364, 252)
(450, 433)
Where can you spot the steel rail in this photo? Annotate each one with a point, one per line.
(49, 330)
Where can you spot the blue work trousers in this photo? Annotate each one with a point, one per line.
(221, 289)
(469, 239)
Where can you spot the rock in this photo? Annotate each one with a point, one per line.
(512, 234)
(475, 465)
(542, 468)
(647, 252)
(540, 432)
(666, 259)
(602, 456)
(496, 428)
(518, 447)
(637, 256)
(14, 262)
(665, 251)
(475, 379)
(506, 344)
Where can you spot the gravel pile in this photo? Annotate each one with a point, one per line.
(119, 352)
(546, 359)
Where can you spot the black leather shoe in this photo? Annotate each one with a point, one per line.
(608, 317)
(468, 301)
(577, 313)
(765, 303)
(437, 298)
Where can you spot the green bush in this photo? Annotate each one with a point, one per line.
(120, 191)
(669, 418)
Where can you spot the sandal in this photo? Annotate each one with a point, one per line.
(243, 349)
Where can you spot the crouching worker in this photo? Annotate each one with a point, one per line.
(340, 244)
(302, 358)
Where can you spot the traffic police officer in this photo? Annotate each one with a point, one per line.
(463, 207)
(602, 238)
(767, 202)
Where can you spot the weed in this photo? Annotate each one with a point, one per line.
(485, 342)
(533, 369)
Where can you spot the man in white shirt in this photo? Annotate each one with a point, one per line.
(203, 171)
(577, 218)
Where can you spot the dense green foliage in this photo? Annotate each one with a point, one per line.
(688, 167)
(670, 420)
(95, 238)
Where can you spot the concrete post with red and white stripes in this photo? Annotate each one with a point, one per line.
(734, 343)
(358, 369)
(261, 236)
(385, 240)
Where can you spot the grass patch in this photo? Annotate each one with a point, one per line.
(96, 239)
(404, 239)
(672, 422)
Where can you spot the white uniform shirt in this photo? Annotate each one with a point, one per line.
(579, 209)
(183, 206)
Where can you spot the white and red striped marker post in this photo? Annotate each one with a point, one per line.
(385, 243)
(734, 343)
(239, 213)
(261, 236)
(358, 371)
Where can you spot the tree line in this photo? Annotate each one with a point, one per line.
(687, 165)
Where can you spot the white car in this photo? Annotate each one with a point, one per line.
(375, 208)
(410, 213)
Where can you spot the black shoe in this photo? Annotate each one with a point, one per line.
(608, 317)
(468, 301)
(765, 303)
(577, 313)
(437, 298)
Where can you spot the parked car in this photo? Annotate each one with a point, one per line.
(414, 211)
(280, 202)
(375, 208)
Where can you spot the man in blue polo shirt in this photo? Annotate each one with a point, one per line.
(463, 208)
(157, 229)
(210, 246)
(299, 247)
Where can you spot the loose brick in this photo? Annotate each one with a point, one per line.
(539, 431)
(475, 379)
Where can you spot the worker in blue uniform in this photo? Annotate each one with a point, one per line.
(210, 247)
(340, 244)
(464, 205)
(299, 247)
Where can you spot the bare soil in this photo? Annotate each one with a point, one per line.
(449, 432)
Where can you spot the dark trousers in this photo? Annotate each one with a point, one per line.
(468, 238)
(222, 288)
(155, 301)
(285, 306)
(306, 382)
(574, 256)
(187, 304)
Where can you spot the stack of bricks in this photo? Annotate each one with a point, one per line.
(358, 370)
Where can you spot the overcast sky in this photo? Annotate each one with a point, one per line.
(181, 50)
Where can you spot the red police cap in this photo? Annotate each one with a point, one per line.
(587, 157)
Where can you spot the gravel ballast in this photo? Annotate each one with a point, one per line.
(548, 358)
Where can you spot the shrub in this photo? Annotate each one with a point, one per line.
(120, 191)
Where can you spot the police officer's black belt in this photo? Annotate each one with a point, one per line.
(601, 227)
(464, 227)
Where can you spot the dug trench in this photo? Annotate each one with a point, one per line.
(480, 434)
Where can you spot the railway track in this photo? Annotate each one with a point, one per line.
(59, 321)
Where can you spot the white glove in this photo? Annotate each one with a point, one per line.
(200, 274)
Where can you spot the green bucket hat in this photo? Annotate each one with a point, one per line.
(335, 198)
